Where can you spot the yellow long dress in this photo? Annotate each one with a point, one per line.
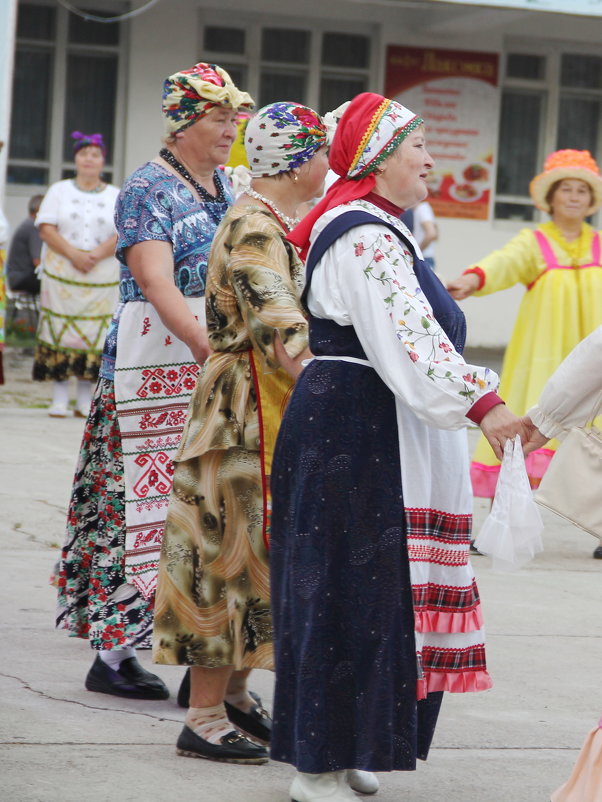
(562, 305)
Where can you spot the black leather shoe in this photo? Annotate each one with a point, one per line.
(597, 555)
(256, 723)
(233, 748)
(130, 681)
(474, 550)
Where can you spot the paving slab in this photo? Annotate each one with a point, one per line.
(60, 743)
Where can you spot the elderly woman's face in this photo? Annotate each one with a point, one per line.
(89, 161)
(404, 174)
(571, 199)
(212, 136)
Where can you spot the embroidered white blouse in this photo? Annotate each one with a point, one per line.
(367, 280)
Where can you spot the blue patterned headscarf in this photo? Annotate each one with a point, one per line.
(283, 136)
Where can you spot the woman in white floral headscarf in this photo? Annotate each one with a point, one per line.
(212, 610)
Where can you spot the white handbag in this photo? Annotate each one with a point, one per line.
(572, 485)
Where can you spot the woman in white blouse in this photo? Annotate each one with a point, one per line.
(375, 606)
(568, 398)
(80, 277)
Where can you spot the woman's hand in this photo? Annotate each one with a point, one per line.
(499, 425)
(83, 261)
(293, 366)
(534, 439)
(198, 342)
(463, 286)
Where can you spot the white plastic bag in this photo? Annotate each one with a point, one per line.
(511, 534)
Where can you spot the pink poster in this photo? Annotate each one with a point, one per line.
(456, 94)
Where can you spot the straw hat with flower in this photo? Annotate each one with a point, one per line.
(567, 164)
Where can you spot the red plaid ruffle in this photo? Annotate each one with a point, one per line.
(445, 599)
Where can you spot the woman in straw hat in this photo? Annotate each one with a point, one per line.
(166, 216)
(560, 264)
(375, 605)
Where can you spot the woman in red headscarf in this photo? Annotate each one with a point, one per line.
(375, 605)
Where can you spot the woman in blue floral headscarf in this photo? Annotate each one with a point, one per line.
(213, 599)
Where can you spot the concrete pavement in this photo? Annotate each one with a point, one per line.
(60, 743)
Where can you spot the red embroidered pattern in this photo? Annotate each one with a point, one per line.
(432, 554)
(159, 381)
(148, 537)
(160, 442)
(159, 503)
(145, 326)
(170, 419)
(157, 476)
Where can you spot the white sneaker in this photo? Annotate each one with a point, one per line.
(364, 782)
(329, 787)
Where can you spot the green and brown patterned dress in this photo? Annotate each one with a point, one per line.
(213, 600)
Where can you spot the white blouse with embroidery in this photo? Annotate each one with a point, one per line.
(367, 279)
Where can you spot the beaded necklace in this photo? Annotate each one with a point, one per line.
(289, 222)
(97, 188)
(206, 196)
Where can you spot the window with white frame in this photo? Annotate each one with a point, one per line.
(66, 78)
(551, 99)
(319, 65)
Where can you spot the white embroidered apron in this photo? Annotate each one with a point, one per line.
(155, 375)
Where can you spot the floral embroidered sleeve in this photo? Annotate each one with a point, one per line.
(395, 324)
(260, 274)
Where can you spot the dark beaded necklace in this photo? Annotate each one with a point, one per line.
(207, 197)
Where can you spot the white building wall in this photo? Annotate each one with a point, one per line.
(168, 37)
(154, 54)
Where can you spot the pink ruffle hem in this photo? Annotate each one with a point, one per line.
(452, 623)
(484, 477)
(465, 682)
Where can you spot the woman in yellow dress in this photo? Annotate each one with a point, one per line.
(560, 264)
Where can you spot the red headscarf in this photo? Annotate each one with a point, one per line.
(369, 131)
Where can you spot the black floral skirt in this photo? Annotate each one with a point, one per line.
(94, 599)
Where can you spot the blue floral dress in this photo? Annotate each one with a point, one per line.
(95, 601)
